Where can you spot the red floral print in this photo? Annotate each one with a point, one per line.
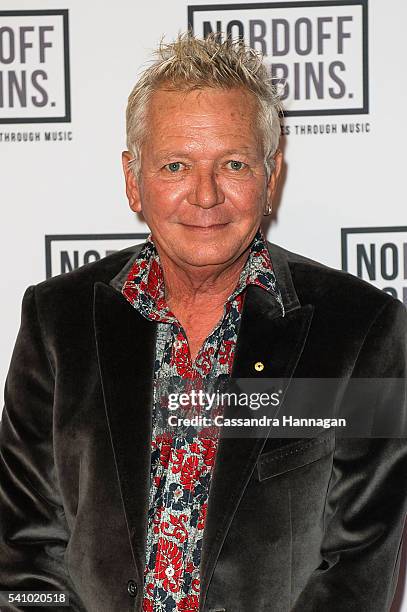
(169, 565)
(179, 530)
(202, 516)
(189, 604)
(226, 352)
(203, 360)
(190, 472)
(209, 448)
(148, 605)
(178, 460)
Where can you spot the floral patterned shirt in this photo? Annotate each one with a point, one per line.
(182, 461)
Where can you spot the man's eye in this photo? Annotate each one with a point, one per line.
(174, 167)
(236, 165)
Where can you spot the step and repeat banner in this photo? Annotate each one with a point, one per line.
(66, 69)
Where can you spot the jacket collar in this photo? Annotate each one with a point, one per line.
(281, 268)
(144, 287)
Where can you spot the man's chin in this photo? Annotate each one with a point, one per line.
(201, 257)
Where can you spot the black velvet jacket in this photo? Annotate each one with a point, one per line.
(304, 525)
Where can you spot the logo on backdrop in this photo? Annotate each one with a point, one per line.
(316, 51)
(34, 67)
(66, 252)
(379, 256)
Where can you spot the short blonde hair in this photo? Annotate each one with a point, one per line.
(190, 63)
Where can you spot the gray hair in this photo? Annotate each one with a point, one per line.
(191, 63)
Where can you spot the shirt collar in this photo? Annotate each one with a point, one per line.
(144, 286)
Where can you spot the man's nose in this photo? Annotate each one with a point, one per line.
(206, 191)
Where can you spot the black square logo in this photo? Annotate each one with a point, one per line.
(66, 252)
(379, 256)
(316, 52)
(34, 67)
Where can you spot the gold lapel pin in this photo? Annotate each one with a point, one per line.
(259, 366)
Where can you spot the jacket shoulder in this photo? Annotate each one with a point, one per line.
(334, 289)
(68, 298)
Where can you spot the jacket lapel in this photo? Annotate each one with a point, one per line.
(126, 351)
(277, 341)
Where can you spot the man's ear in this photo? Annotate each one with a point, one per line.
(132, 186)
(273, 180)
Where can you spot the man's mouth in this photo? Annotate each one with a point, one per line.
(212, 226)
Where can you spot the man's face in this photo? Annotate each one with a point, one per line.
(203, 185)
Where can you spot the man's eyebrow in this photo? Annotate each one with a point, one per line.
(186, 152)
(170, 153)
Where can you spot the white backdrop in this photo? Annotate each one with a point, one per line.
(66, 69)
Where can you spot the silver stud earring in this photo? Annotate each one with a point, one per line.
(268, 208)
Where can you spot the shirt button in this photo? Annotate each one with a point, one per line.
(132, 588)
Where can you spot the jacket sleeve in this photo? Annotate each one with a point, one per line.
(33, 529)
(366, 501)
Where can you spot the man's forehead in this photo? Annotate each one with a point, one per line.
(210, 121)
(237, 100)
(215, 114)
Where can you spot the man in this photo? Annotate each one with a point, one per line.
(96, 499)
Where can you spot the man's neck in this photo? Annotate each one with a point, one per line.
(196, 288)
